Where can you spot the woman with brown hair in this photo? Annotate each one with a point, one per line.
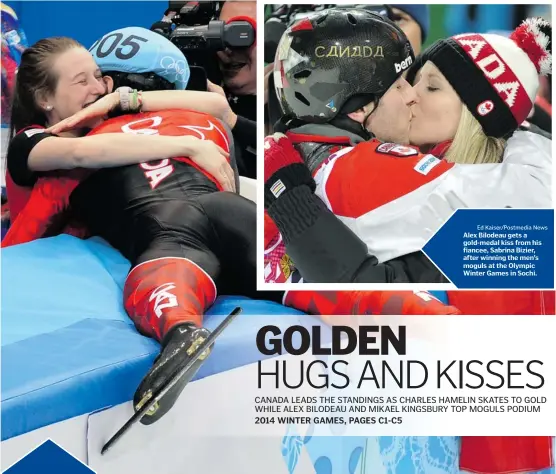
(57, 78)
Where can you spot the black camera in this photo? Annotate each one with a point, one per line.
(216, 36)
(193, 27)
(194, 13)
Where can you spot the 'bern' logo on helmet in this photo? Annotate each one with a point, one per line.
(404, 64)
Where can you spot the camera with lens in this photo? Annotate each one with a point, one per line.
(195, 29)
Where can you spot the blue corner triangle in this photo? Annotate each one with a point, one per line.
(49, 458)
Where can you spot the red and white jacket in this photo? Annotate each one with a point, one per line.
(396, 198)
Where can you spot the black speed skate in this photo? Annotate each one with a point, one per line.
(177, 348)
(179, 359)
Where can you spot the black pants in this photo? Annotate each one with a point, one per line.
(217, 231)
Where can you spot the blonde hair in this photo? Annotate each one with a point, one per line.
(471, 145)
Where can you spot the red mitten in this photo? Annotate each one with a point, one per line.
(284, 168)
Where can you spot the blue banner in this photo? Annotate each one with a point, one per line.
(47, 458)
(496, 249)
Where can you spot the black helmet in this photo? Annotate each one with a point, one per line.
(338, 60)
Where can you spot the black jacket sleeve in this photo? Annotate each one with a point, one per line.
(245, 136)
(325, 250)
(245, 132)
(19, 150)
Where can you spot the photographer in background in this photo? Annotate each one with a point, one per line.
(239, 78)
(219, 67)
(239, 67)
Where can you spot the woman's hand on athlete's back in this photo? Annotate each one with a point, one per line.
(214, 160)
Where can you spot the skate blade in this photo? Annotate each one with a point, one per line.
(153, 398)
